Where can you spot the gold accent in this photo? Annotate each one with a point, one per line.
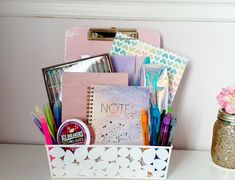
(222, 115)
(101, 34)
(223, 141)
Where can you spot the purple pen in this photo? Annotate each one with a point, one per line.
(165, 129)
(37, 122)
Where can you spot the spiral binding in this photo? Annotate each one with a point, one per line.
(90, 92)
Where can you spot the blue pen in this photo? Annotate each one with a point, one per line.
(57, 113)
(156, 124)
(153, 127)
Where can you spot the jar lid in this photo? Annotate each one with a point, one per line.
(222, 115)
(73, 131)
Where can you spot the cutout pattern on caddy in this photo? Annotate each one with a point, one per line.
(111, 161)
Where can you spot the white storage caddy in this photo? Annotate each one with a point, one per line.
(108, 161)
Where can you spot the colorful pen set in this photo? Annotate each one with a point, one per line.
(160, 130)
(162, 125)
(53, 74)
(47, 122)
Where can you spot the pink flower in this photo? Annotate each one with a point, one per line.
(226, 100)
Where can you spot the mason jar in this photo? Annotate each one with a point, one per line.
(223, 140)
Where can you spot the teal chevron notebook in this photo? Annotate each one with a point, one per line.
(115, 113)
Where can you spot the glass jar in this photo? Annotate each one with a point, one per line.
(223, 141)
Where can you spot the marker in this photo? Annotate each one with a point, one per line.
(144, 122)
(173, 125)
(165, 129)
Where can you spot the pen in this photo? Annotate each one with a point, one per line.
(57, 113)
(158, 123)
(51, 87)
(165, 129)
(144, 122)
(101, 66)
(92, 68)
(37, 122)
(57, 84)
(173, 125)
(155, 125)
(95, 67)
(106, 65)
(152, 126)
(161, 119)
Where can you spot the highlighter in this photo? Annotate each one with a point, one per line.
(45, 129)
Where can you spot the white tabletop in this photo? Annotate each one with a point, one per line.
(28, 162)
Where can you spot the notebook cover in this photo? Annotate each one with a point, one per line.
(116, 114)
(74, 91)
(175, 64)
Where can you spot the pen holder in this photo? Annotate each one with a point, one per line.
(108, 161)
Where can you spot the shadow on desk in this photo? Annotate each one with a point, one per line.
(177, 159)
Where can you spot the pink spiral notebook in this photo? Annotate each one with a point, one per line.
(75, 87)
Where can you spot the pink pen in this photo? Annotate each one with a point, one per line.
(45, 129)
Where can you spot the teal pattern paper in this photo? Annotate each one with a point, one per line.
(125, 45)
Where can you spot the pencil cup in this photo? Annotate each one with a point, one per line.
(108, 161)
(223, 141)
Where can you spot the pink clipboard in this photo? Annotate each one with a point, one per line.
(79, 42)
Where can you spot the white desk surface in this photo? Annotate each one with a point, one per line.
(29, 162)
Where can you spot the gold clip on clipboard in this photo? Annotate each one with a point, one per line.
(109, 34)
(84, 41)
